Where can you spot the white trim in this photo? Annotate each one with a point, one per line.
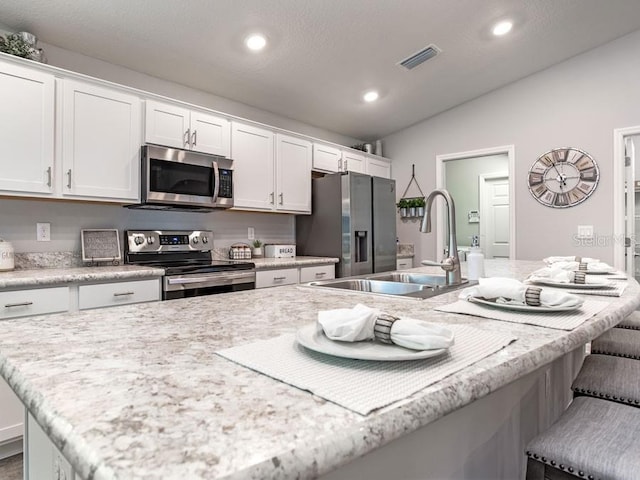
(509, 150)
(482, 203)
(618, 193)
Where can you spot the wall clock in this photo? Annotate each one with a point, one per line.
(563, 177)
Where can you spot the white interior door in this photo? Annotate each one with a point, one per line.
(630, 205)
(494, 215)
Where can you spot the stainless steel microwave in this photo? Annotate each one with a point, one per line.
(175, 179)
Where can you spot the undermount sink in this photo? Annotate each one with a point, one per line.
(416, 285)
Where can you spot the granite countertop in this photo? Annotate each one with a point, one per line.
(136, 392)
(300, 261)
(39, 277)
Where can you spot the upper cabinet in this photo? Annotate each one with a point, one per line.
(175, 126)
(293, 174)
(326, 157)
(353, 162)
(27, 104)
(329, 158)
(378, 167)
(101, 136)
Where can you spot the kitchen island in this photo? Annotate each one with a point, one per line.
(137, 392)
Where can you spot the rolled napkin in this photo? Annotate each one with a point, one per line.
(559, 275)
(590, 267)
(363, 323)
(570, 258)
(514, 292)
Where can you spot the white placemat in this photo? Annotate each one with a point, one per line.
(616, 291)
(558, 320)
(359, 385)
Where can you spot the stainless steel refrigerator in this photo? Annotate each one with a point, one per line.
(354, 219)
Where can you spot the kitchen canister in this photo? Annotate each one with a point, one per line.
(6, 256)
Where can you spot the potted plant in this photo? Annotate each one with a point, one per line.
(419, 204)
(403, 205)
(257, 248)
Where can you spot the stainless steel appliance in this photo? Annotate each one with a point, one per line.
(354, 219)
(175, 179)
(186, 257)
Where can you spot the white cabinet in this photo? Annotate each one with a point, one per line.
(27, 99)
(276, 278)
(293, 174)
(121, 293)
(319, 272)
(326, 157)
(353, 162)
(176, 126)
(11, 419)
(101, 137)
(253, 174)
(23, 303)
(43, 460)
(378, 167)
(404, 263)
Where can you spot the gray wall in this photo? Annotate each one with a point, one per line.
(18, 217)
(576, 103)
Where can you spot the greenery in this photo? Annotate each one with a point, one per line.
(257, 243)
(418, 202)
(403, 203)
(15, 45)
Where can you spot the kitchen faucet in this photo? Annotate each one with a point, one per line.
(451, 264)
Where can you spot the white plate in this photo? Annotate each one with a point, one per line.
(521, 308)
(310, 338)
(600, 273)
(551, 283)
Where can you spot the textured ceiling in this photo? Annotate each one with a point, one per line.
(323, 54)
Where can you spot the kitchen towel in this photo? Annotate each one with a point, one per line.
(359, 385)
(558, 320)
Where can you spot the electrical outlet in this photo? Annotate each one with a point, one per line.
(251, 233)
(585, 231)
(43, 232)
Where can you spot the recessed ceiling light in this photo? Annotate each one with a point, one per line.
(370, 96)
(502, 28)
(255, 42)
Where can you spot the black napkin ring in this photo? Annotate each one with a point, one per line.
(580, 277)
(532, 296)
(382, 327)
(583, 266)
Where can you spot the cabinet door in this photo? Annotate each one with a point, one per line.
(167, 124)
(293, 173)
(101, 136)
(27, 103)
(327, 158)
(12, 417)
(119, 293)
(252, 153)
(210, 134)
(38, 301)
(378, 168)
(276, 278)
(353, 162)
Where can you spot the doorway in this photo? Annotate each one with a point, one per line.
(481, 185)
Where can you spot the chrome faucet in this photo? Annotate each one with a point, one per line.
(451, 264)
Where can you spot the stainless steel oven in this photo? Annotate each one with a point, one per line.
(172, 178)
(190, 270)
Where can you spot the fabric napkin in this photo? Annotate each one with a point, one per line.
(514, 292)
(591, 267)
(559, 275)
(570, 258)
(360, 322)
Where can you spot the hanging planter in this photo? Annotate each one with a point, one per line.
(411, 207)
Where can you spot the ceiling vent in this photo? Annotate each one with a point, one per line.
(420, 57)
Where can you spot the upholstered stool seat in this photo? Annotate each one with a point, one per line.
(611, 378)
(593, 439)
(618, 342)
(632, 322)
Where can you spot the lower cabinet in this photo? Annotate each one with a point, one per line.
(122, 293)
(43, 461)
(291, 276)
(24, 303)
(321, 272)
(404, 263)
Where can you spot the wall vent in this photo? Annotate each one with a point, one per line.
(420, 57)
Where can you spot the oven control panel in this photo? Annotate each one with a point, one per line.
(142, 241)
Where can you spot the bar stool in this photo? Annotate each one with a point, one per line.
(632, 322)
(610, 378)
(593, 439)
(619, 342)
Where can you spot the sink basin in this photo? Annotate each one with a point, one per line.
(419, 278)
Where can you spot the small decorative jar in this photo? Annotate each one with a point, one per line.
(6, 256)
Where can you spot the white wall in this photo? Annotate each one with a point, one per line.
(576, 103)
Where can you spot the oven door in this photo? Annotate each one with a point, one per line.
(178, 177)
(197, 284)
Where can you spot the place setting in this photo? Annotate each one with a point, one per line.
(364, 359)
(511, 300)
(584, 277)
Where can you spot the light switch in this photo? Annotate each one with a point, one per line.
(585, 231)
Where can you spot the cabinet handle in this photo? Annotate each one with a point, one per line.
(194, 138)
(320, 274)
(276, 279)
(69, 182)
(49, 177)
(339, 164)
(271, 197)
(123, 294)
(21, 304)
(281, 198)
(346, 169)
(187, 136)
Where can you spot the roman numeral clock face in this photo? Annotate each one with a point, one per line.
(563, 177)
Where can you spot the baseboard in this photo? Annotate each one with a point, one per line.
(11, 448)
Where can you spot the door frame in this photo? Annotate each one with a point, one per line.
(619, 135)
(508, 150)
(482, 193)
